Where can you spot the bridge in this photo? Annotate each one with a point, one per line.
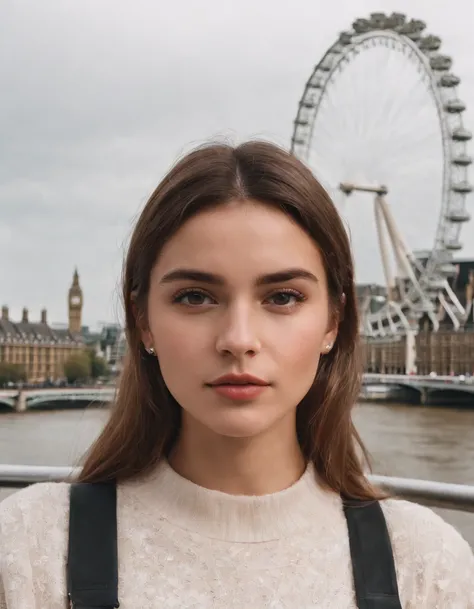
(24, 399)
(428, 389)
(424, 389)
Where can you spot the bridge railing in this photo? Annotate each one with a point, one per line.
(416, 378)
(433, 494)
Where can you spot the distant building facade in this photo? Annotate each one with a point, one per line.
(109, 342)
(446, 352)
(39, 348)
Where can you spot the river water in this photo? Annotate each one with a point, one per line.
(406, 441)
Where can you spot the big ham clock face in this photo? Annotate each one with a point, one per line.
(75, 300)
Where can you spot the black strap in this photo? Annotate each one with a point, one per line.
(373, 565)
(92, 565)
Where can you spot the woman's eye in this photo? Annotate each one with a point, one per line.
(286, 299)
(192, 298)
(196, 298)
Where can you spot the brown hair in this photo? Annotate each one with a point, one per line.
(145, 419)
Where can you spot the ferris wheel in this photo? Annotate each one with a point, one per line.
(380, 117)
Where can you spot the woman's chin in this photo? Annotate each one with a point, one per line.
(242, 422)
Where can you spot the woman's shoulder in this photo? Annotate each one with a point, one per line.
(33, 539)
(422, 528)
(430, 552)
(37, 505)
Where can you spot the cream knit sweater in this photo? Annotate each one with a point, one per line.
(183, 546)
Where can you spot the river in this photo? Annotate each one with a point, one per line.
(407, 441)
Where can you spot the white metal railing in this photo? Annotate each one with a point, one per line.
(433, 494)
(19, 476)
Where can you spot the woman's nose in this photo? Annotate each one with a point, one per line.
(239, 333)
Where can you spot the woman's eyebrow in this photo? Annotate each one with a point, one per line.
(282, 276)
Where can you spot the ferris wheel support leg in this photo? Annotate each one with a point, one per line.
(389, 279)
(407, 255)
(449, 311)
(394, 235)
(455, 299)
(400, 249)
(403, 257)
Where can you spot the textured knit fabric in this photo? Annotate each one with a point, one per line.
(183, 546)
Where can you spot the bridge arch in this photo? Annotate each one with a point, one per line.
(51, 402)
(448, 397)
(6, 404)
(411, 394)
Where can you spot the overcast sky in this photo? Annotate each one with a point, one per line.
(100, 97)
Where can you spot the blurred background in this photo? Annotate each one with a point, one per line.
(99, 99)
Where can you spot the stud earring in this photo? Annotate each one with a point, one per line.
(151, 351)
(328, 347)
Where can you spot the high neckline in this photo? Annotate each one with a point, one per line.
(238, 518)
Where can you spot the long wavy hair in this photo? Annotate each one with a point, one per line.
(145, 419)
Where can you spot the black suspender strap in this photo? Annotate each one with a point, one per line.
(92, 566)
(92, 569)
(373, 565)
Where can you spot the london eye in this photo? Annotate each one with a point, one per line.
(380, 118)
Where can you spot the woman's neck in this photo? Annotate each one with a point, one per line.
(260, 465)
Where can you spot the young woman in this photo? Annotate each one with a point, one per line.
(230, 454)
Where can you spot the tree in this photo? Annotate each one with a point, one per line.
(77, 367)
(11, 373)
(98, 364)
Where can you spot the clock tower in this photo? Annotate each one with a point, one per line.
(75, 305)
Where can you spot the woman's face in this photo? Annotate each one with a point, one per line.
(239, 290)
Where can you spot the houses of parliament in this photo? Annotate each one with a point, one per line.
(38, 348)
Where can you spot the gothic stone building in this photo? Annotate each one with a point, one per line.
(36, 346)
